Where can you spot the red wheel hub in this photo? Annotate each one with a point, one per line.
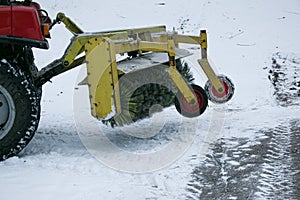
(224, 93)
(223, 97)
(192, 108)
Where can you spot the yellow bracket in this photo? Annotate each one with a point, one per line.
(76, 47)
(181, 85)
(176, 77)
(171, 53)
(211, 75)
(202, 41)
(102, 78)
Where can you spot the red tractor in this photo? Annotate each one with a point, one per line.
(23, 25)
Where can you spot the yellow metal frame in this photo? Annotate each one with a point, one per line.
(100, 51)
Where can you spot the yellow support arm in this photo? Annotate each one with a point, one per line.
(102, 78)
(203, 62)
(70, 25)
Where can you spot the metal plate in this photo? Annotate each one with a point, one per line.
(149, 60)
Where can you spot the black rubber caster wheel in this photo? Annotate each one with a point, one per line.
(216, 97)
(192, 110)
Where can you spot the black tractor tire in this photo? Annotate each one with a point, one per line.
(20, 104)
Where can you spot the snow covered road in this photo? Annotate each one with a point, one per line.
(254, 155)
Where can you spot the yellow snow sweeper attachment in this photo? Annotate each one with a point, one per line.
(152, 56)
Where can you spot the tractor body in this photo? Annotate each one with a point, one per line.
(23, 25)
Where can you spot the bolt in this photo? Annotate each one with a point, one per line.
(193, 101)
(66, 63)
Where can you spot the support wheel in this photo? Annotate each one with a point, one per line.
(216, 97)
(192, 110)
(19, 110)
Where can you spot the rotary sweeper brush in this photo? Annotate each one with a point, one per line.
(150, 78)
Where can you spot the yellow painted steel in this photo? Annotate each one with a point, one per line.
(153, 46)
(171, 54)
(70, 25)
(77, 47)
(203, 39)
(78, 42)
(203, 44)
(211, 75)
(151, 29)
(114, 73)
(102, 78)
(188, 39)
(176, 77)
(100, 52)
(181, 85)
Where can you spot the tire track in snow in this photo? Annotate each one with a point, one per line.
(276, 177)
(295, 154)
(266, 167)
(228, 172)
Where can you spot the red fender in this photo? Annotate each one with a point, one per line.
(21, 24)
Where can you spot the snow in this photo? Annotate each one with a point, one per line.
(243, 36)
